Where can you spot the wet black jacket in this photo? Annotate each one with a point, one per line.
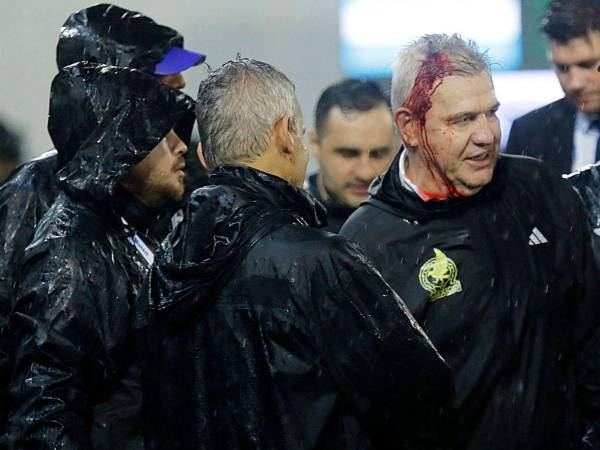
(20, 210)
(586, 183)
(74, 385)
(505, 284)
(270, 334)
(103, 33)
(337, 213)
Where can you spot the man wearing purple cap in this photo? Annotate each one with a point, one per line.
(115, 36)
(104, 34)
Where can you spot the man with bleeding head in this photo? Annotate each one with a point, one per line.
(353, 141)
(493, 256)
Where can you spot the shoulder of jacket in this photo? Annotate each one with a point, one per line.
(367, 216)
(521, 162)
(72, 227)
(305, 243)
(26, 179)
(528, 174)
(556, 109)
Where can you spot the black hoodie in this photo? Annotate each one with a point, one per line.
(105, 34)
(269, 334)
(74, 384)
(506, 284)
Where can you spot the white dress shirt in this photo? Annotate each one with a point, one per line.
(585, 138)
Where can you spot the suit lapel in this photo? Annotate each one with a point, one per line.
(564, 121)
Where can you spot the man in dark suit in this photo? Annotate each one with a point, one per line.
(565, 133)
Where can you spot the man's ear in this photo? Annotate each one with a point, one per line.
(313, 142)
(283, 137)
(200, 155)
(408, 127)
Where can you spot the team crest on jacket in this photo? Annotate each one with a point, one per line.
(439, 275)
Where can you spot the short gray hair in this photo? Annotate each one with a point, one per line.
(238, 104)
(463, 56)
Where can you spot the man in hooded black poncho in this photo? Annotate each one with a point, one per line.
(75, 383)
(104, 34)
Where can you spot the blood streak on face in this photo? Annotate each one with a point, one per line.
(430, 76)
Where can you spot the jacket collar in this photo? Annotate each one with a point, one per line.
(136, 216)
(272, 189)
(388, 189)
(222, 220)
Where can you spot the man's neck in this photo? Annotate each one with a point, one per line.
(268, 165)
(330, 199)
(426, 188)
(135, 212)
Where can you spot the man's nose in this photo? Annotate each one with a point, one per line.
(484, 131)
(365, 169)
(178, 147)
(176, 81)
(577, 78)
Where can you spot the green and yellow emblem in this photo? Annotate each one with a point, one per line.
(439, 275)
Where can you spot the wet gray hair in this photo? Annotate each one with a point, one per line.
(238, 104)
(463, 55)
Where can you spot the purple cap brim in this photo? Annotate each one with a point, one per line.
(177, 60)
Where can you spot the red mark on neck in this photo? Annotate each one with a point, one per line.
(430, 76)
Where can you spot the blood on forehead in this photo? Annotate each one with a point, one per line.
(431, 74)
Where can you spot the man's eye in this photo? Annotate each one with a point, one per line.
(379, 154)
(347, 153)
(563, 68)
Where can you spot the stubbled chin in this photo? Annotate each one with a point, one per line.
(589, 107)
(355, 202)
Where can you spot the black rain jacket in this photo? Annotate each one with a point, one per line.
(24, 198)
(506, 285)
(74, 385)
(269, 334)
(586, 183)
(105, 34)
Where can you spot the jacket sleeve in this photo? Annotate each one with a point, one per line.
(585, 327)
(19, 212)
(586, 332)
(63, 328)
(380, 356)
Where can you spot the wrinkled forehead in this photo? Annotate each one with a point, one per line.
(465, 93)
(576, 50)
